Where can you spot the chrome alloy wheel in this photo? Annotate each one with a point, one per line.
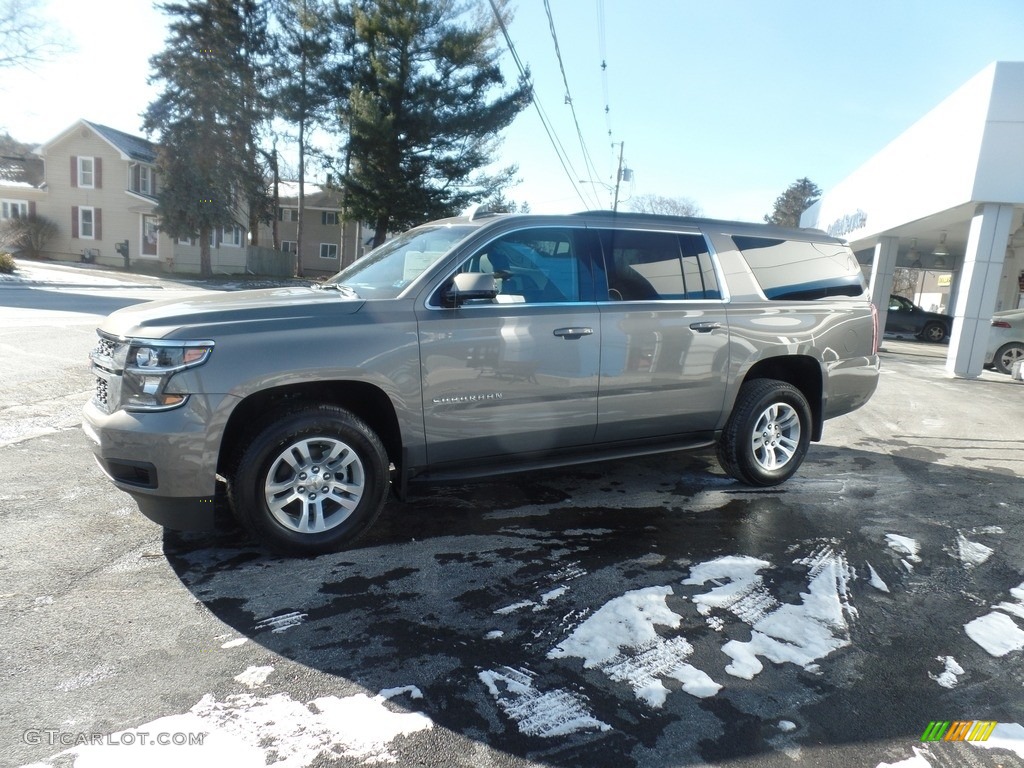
(776, 436)
(314, 484)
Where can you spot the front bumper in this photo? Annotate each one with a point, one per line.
(167, 461)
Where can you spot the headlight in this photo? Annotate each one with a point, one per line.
(134, 374)
(149, 366)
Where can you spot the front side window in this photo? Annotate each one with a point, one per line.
(289, 246)
(649, 266)
(231, 236)
(145, 180)
(14, 209)
(86, 172)
(328, 218)
(533, 266)
(328, 250)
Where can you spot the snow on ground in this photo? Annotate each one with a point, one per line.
(971, 553)
(950, 675)
(904, 546)
(535, 712)
(247, 731)
(1005, 736)
(996, 631)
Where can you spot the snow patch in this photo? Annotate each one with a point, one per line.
(917, 761)
(539, 713)
(876, 580)
(949, 677)
(739, 589)
(997, 633)
(971, 553)
(797, 633)
(235, 643)
(281, 623)
(246, 731)
(514, 607)
(1004, 736)
(620, 640)
(254, 677)
(904, 546)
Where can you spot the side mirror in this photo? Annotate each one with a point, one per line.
(471, 286)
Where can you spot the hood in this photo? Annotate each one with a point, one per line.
(208, 315)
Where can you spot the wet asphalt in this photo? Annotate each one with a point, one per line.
(903, 527)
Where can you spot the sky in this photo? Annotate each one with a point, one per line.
(724, 103)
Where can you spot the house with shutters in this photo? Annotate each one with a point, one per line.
(99, 186)
(329, 242)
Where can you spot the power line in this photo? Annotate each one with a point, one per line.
(555, 143)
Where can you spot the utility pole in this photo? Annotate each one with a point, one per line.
(618, 177)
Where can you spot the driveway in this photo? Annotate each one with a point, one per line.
(642, 613)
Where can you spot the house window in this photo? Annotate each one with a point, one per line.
(328, 250)
(329, 218)
(289, 246)
(145, 180)
(14, 209)
(87, 223)
(86, 172)
(231, 236)
(288, 214)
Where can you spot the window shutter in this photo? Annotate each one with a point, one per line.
(97, 173)
(74, 218)
(74, 172)
(97, 226)
(136, 178)
(32, 209)
(152, 181)
(323, 219)
(280, 213)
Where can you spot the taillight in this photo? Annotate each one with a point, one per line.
(1001, 324)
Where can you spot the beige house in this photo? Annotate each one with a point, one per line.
(328, 241)
(99, 186)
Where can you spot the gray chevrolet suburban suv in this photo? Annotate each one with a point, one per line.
(475, 346)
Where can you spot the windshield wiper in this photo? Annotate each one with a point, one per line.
(345, 290)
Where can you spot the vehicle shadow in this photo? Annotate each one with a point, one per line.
(481, 595)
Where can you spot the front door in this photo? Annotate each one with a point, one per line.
(518, 374)
(150, 237)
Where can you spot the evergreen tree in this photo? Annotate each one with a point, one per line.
(418, 77)
(801, 195)
(207, 117)
(304, 52)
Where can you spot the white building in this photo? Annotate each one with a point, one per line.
(946, 197)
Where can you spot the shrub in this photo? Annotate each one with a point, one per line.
(7, 265)
(29, 234)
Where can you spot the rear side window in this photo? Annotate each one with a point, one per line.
(796, 270)
(645, 266)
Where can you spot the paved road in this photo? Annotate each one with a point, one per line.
(642, 613)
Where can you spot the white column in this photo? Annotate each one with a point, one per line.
(979, 284)
(882, 267)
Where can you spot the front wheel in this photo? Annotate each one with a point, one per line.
(934, 332)
(311, 481)
(1007, 355)
(766, 438)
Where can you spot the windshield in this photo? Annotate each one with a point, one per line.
(384, 272)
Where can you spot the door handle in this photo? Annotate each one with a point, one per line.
(705, 327)
(573, 333)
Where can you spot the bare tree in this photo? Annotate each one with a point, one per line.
(26, 38)
(672, 206)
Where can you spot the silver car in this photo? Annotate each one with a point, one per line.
(477, 346)
(1005, 340)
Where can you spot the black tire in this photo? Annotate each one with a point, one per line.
(934, 332)
(766, 438)
(1007, 355)
(311, 481)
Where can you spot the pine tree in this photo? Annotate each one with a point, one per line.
(418, 77)
(207, 117)
(304, 55)
(801, 195)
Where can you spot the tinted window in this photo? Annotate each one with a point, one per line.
(532, 266)
(796, 270)
(658, 265)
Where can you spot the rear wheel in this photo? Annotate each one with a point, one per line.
(1007, 355)
(310, 482)
(766, 438)
(933, 332)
